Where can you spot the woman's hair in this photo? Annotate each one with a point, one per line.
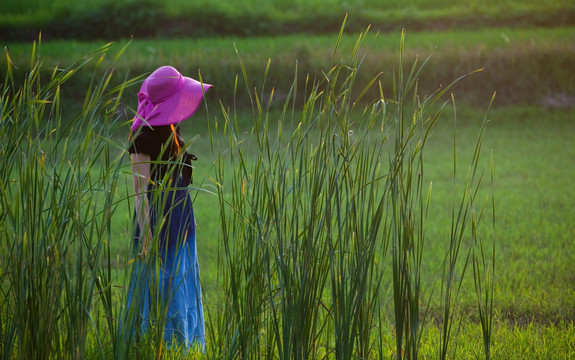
(177, 139)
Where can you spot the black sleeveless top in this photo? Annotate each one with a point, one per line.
(163, 147)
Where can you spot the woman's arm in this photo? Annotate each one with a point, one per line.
(141, 171)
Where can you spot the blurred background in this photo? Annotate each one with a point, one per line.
(525, 47)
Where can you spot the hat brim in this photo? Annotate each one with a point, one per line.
(177, 107)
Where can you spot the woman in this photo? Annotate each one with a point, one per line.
(165, 289)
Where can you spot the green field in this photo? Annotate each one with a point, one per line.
(66, 178)
(532, 190)
(524, 66)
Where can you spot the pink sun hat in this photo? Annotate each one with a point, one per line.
(166, 97)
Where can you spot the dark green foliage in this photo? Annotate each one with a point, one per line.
(113, 20)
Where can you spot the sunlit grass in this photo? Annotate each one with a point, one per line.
(329, 214)
(56, 218)
(303, 248)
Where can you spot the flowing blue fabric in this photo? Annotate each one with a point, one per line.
(166, 291)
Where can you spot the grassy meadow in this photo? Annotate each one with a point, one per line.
(351, 201)
(506, 55)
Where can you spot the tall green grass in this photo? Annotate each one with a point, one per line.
(323, 221)
(58, 198)
(323, 213)
(61, 296)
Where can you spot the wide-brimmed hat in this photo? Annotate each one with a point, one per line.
(166, 97)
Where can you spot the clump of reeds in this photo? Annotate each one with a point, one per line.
(62, 188)
(321, 208)
(59, 193)
(323, 215)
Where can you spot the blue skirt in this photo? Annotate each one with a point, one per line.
(166, 291)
